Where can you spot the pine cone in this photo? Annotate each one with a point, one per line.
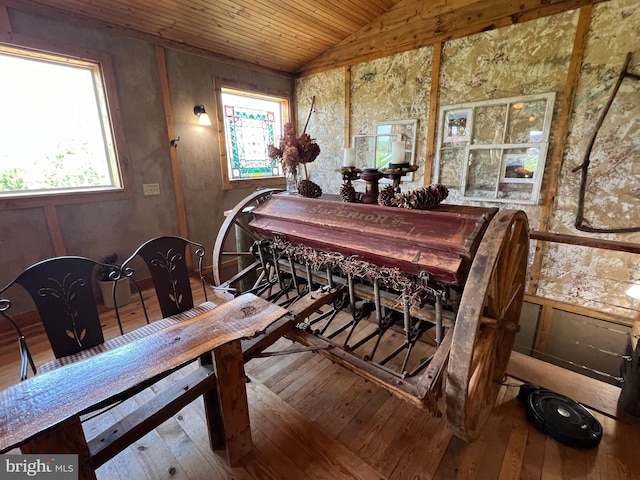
(443, 190)
(309, 189)
(347, 193)
(385, 197)
(421, 198)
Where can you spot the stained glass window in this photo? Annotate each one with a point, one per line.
(251, 125)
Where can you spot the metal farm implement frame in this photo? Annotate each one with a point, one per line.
(424, 303)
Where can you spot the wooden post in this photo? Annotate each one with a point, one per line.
(433, 112)
(560, 140)
(175, 163)
(57, 238)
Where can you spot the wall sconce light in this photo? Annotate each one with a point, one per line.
(203, 118)
(634, 290)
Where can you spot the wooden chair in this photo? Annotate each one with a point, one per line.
(63, 293)
(166, 261)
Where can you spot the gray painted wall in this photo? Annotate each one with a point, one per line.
(96, 229)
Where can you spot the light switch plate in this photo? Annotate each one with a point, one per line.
(151, 189)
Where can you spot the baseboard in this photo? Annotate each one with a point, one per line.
(593, 393)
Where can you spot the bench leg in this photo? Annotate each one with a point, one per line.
(212, 411)
(66, 438)
(232, 407)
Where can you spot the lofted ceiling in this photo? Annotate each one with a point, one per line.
(298, 36)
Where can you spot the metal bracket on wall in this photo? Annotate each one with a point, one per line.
(580, 221)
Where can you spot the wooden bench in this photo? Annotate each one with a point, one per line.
(42, 414)
(129, 337)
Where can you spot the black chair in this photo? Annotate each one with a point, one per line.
(63, 293)
(25, 354)
(166, 260)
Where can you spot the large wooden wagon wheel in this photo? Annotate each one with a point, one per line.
(233, 243)
(486, 323)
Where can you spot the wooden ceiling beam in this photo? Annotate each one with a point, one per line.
(420, 23)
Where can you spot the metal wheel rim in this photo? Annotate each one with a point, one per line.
(229, 225)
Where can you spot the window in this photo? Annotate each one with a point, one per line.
(56, 130)
(252, 122)
(495, 150)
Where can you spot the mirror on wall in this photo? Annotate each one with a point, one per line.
(376, 150)
(373, 151)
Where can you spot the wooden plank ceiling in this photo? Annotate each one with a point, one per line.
(299, 36)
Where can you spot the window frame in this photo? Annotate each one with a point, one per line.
(468, 147)
(249, 90)
(36, 48)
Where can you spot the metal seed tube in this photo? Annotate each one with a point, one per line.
(309, 277)
(352, 295)
(439, 329)
(294, 274)
(407, 320)
(376, 299)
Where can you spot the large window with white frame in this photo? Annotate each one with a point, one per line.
(56, 129)
(252, 121)
(495, 150)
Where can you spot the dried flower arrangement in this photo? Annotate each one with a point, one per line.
(293, 150)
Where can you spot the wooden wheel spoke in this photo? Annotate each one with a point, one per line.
(516, 289)
(503, 351)
(481, 379)
(509, 265)
(247, 231)
(483, 350)
(236, 254)
(512, 267)
(514, 245)
(493, 297)
(488, 322)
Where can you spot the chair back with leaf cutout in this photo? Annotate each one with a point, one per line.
(63, 293)
(166, 260)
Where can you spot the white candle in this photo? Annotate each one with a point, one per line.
(349, 157)
(397, 152)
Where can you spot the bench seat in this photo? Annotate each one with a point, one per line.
(121, 340)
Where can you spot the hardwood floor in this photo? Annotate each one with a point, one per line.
(311, 419)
